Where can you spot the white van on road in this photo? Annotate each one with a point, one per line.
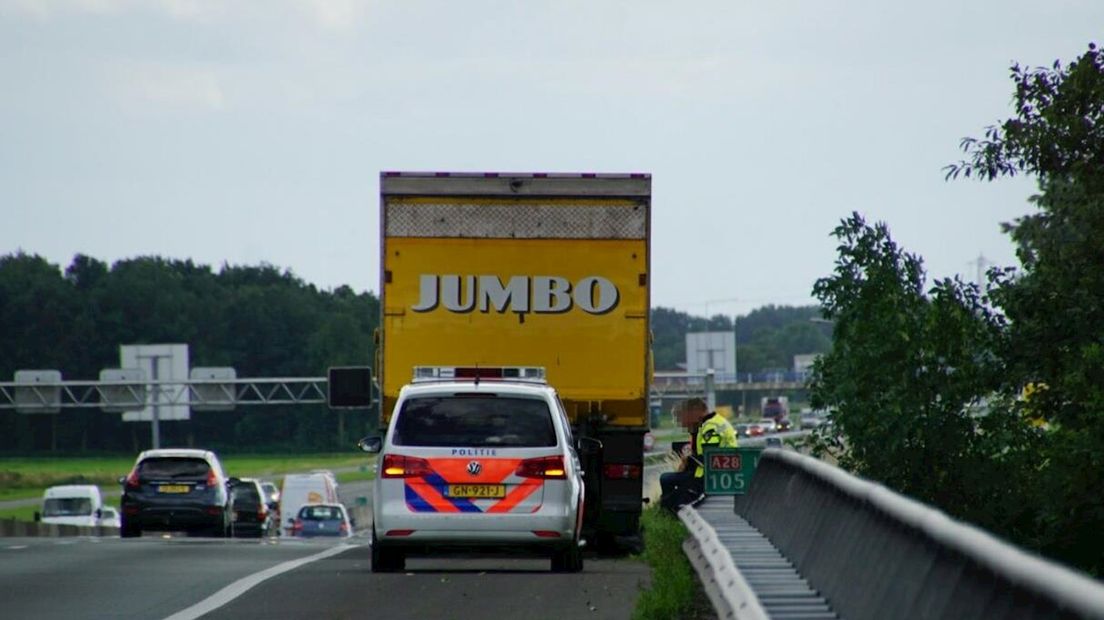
(302, 489)
(77, 504)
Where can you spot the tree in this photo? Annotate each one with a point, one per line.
(1055, 304)
(906, 376)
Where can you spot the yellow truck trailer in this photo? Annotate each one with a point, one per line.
(512, 270)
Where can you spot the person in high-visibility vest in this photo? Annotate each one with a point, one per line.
(707, 429)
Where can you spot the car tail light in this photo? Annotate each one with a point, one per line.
(132, 479)
(343, 528)
(130, 510)
(623, 471)
(296, 526)
(399, 532)
(551, 467)
(546, 533)
(214, 510)
(212, 478)
(399, 466)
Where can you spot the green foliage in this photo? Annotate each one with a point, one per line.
(927, 388)
(906, 372)
(1055, 305)
(260, 320)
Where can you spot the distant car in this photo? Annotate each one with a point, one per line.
(109, 517)
(251, 516)
(321, 520)
(754, 430)
(782, 425)
(302, 489)
(272, 498)
(774, 442)
(742, 430)
(768, 425)
(176, 490)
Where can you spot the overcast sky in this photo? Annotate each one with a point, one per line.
(249, 132)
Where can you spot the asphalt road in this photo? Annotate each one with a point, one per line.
(151, 577)
(342, 587)
(182, 578)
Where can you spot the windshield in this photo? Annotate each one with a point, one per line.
(475, 421)
(67, 507)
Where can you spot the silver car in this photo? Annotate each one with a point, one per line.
(470, 465)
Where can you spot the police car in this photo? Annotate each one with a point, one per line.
(477, 459)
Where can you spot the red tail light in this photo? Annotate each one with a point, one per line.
(344, 529)
(296, 526)
(550, 467)
(546, 534)
(623, 471)
(399, 532)
(132, 479)
(214, 510)
(399, 466)
(212, 479)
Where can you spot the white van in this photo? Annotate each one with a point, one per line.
(77, 504)
(302, 489)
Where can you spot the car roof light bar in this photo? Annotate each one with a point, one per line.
(525, 374)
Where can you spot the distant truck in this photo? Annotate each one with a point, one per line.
(777, 408)
(544, 270)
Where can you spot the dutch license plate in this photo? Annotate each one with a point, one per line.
(174, 488)
(477, 490)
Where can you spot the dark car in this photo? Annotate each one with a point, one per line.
(321, 520)
(176, 490)
(251, 515)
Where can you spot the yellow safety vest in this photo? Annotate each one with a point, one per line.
(714, 431)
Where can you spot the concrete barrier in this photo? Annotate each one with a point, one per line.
(11, 528)
(877, 554)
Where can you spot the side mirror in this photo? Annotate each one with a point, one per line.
(589, 444)
(371, 444)
(37, 516)
(99, 514)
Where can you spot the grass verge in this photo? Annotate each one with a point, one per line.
(675, 593)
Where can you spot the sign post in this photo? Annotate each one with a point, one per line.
(728, 471)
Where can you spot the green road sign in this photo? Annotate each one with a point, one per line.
(728, 471)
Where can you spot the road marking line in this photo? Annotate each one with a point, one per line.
(18, 546)
(243, 585)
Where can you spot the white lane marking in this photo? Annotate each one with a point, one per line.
(243, 585)
(18, 546)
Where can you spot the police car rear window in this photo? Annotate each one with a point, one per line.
(475, 421)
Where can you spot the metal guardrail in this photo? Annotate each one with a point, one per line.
(876, 554)
(730, 594)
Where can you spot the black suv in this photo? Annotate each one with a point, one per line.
(251, 516)
(176, 490)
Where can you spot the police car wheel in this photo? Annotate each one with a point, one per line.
(386, 560)
(568, 560)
